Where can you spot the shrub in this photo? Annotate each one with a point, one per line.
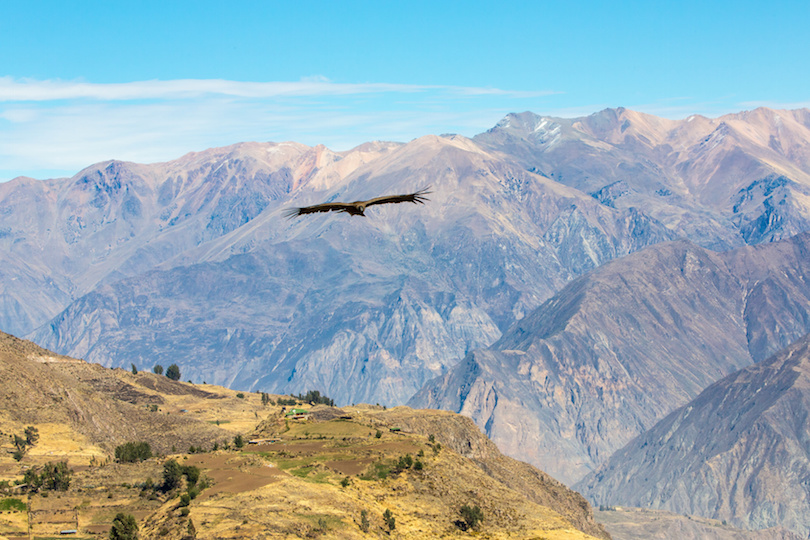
(192, 473)
(158, 369)
(378, 434)
(345, 482)
(124, 527)
(240, 395)
(132, 452)
(471, 516)
(405, 462)
(364, 524)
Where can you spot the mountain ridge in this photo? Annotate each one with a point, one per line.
(619, 348)
(735, 452)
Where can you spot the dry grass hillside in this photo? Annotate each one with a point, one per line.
(330, 473)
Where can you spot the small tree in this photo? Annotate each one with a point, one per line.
(31, 435)
(389, 519)
(173, 372)
(172, 473)
(124, 527)
(238, 441)
(134, 369)
(158, 369)
(56, 476)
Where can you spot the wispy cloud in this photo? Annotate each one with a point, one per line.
(32, 90)
(68, 125)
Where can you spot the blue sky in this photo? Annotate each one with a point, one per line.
(86, 81)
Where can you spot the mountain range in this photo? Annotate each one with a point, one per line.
(190, 261)
(497, 299)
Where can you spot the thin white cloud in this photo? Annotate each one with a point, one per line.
(52, 90)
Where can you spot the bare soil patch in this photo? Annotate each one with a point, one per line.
(234, 474)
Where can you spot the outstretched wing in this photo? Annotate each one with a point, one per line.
(418, 197)
(327, 207)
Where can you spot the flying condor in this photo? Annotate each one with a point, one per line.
(358, 208)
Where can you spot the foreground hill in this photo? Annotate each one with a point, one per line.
(621, 347)
(314, 475)
(94, 408)
(737, 452)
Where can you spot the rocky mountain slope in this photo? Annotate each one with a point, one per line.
(737, 452)
(619, 348)
(365, 309)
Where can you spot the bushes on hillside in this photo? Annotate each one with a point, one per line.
(53, 476)
(132, 452)
(124, 527)
(471, 516)
(315, 397)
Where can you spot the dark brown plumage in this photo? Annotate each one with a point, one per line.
(358, 208)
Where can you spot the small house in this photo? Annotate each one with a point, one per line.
(298, 414)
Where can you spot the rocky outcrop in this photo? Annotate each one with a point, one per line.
(737, 452)
(461, 435)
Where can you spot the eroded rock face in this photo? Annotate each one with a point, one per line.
(618, 349)
(364, 309)
(737, 452)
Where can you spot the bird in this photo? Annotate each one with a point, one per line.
(358, 208)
